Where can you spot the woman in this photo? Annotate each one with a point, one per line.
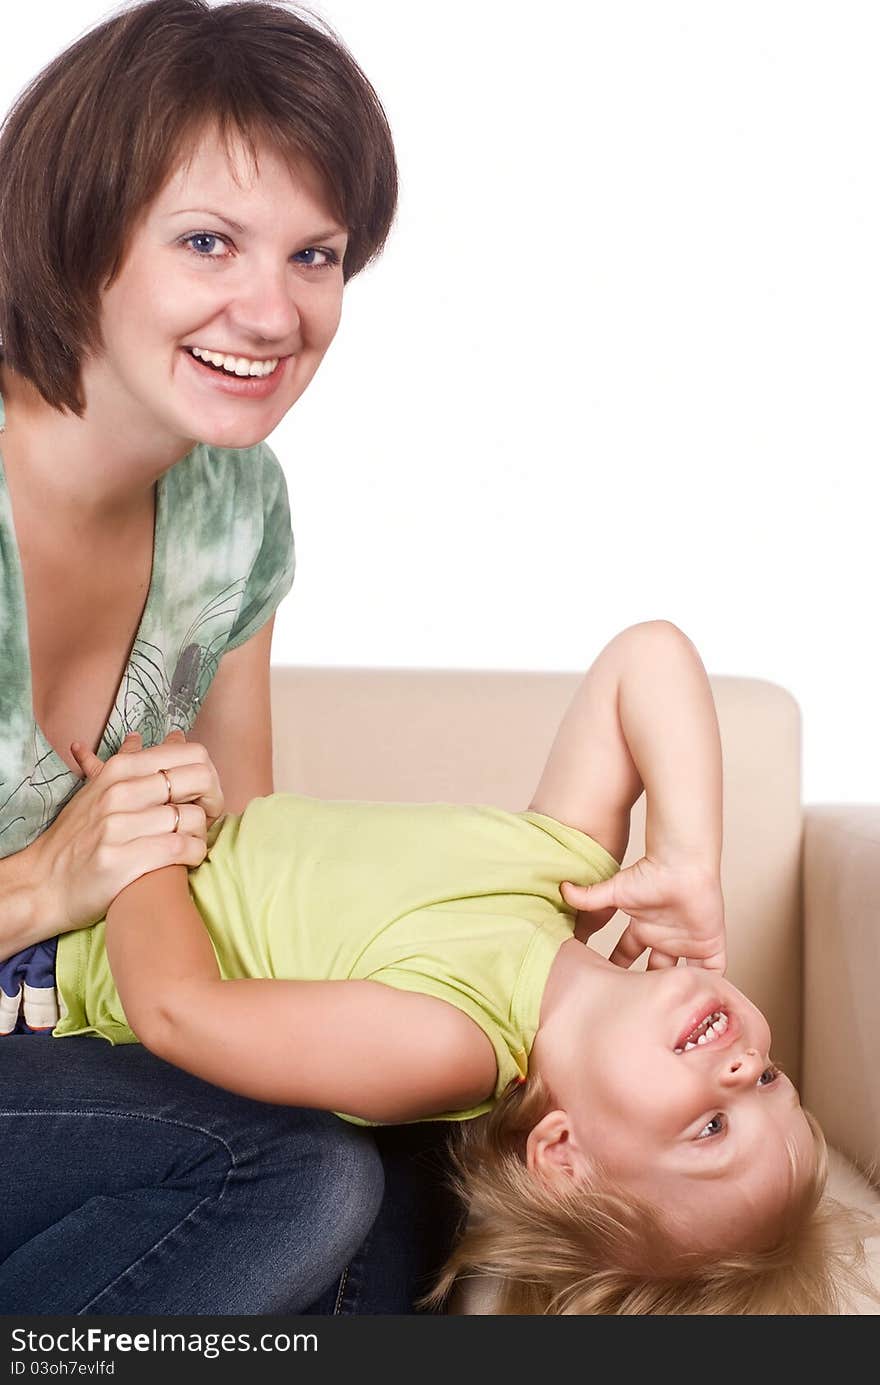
(184, 193)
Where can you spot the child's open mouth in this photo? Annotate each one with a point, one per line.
(710, 1027)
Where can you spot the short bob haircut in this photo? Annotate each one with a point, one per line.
(95, 136)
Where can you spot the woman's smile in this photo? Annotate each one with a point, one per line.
(267, 312)
(234, 362)
(241, 383)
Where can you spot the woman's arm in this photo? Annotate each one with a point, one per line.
(235, 721)
(21, 913)
(355, 1046)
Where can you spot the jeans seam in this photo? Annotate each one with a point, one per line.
(125, 1116)
(123, 1274)
(340, 1292)
(355, 1281)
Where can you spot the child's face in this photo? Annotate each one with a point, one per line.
(268, 287)
(708, 1132)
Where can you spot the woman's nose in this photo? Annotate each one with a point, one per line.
(743, 1066)
(268, 312)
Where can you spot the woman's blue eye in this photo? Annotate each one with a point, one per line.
(203, 245)
(190, 243)
(716, 1126)
(330, 258)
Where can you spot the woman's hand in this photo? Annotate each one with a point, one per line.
(675, 909)
(122, 824)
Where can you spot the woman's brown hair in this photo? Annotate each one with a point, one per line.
(94, 137)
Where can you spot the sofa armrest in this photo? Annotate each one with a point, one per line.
(841, 1047)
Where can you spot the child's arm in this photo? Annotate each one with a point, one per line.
(355, 1046)
(644, 715)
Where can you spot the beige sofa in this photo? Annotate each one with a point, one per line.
(802, 885)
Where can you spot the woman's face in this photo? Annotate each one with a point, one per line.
(226, 260)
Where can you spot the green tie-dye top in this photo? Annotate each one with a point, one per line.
(223, 558)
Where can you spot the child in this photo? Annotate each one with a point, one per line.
(643, 1153)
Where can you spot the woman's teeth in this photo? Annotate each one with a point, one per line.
(234, 365)
(707, 1030)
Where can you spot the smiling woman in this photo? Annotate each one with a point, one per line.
(186, 190)
(273, 292)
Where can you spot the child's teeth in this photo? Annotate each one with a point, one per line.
(712, 1030)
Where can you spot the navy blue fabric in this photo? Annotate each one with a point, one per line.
(131, 1187)
(35, 966)
(413, 1233)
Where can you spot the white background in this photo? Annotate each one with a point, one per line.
(620, 358)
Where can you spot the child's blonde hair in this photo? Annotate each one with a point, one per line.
(595, 1248)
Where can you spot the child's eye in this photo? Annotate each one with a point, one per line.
(716, 1126)
(769, 1075)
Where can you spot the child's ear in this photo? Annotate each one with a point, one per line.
(552, 1152)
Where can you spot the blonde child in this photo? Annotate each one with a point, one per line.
(637, 1150)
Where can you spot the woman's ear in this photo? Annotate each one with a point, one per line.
(552, 1152)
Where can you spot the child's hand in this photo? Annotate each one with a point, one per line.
(675, 910)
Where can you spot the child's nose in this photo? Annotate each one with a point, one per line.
(746, 1065)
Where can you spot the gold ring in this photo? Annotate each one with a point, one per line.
(176, 817)
(167, 784)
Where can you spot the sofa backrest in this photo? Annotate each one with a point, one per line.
(482, 737)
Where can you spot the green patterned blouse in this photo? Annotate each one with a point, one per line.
(223, 558)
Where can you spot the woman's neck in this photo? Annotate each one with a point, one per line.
(97, 467)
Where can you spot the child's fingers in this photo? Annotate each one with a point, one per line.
(587, 898)
(131, 743)
(585, 925)
(628, 948)
(658, 960)
(716, 962)
(175, 735)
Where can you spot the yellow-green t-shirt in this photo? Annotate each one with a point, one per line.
(460, 903)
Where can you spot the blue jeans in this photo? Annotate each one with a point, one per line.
(413, 1233)
(131, 1187)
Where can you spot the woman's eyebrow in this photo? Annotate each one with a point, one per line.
(326, 234)
(206, 211)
